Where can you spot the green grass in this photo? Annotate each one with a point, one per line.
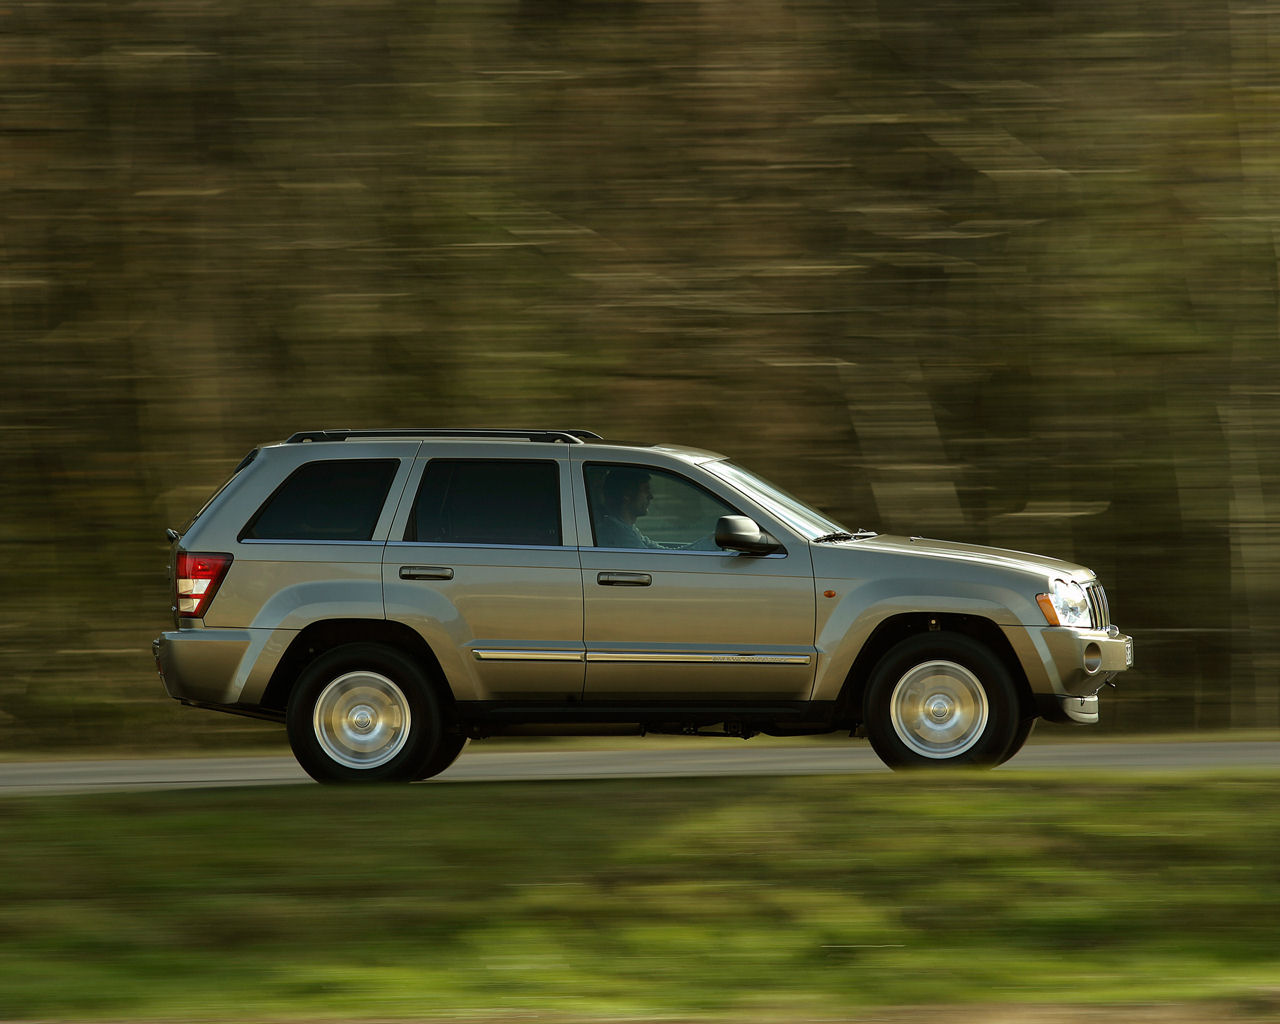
(704, 898)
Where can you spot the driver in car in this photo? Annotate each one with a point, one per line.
(627, 496)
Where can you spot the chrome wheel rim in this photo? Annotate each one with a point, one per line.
(939, 709)
(362, 720)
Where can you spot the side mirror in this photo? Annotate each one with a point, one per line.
(742, 533)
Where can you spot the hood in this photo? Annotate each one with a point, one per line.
(977, 554)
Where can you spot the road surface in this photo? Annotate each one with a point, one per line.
(710, 758)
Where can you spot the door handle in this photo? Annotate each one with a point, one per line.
(425, 572)
(624, 579)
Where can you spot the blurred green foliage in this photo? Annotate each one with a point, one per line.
(1003, 272)
(728, 899)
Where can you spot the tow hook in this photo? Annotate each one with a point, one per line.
(1105, 683)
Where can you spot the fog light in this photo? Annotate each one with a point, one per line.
(1092, 658)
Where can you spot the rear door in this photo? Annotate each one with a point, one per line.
(482, 562)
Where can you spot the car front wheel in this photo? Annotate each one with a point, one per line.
(363, 713)
(1019, 738)
(941, 699)
(446, 753)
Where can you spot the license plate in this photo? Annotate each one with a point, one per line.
(1128, 652)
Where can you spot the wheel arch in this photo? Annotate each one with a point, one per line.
(893, 630)
(320, 637)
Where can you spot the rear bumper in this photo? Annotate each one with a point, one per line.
(202, 665)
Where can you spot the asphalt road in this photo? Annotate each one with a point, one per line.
(710, 758)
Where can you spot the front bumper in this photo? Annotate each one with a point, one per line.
(1081, 710)
(1066, 668)
(1085, 660)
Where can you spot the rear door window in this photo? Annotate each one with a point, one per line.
(487, 501)
(330, 500)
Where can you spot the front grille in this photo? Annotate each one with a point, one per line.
(1099, 610)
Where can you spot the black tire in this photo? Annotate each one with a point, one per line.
(939, 700)
(1019, 738)
(363, 713)
(447, 751)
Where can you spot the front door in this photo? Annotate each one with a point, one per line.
(669, 616)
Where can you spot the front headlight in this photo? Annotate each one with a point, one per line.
(1065, 605)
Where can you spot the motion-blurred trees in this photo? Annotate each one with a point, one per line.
(1001, 272)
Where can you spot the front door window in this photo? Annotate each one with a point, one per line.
(639, 507)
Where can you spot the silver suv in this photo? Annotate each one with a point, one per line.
(390, 594)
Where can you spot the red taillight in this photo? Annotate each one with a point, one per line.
(198, 576)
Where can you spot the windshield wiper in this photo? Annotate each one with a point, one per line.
(839, 535)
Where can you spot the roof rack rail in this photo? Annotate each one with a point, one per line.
(563, 436)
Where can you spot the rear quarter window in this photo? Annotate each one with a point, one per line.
(330, 500)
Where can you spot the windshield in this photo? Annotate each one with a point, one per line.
(809, 523)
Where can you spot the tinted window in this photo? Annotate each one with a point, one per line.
(642, 507)
(329, 500)
(487, 502)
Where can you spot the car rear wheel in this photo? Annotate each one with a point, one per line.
(363, 713)
(941, 699)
